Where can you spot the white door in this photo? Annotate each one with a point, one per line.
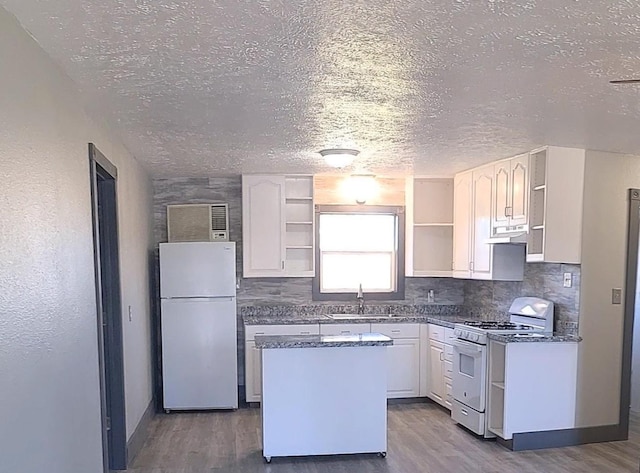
(403, 368)
(519, 190)
(462, 186)
(253, 374)
(482, 198)
(436, 372)
(501, 195)
(199, 353)
(469, 374)
(263, 225)
(198, 269)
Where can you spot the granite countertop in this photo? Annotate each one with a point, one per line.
(444, 320)
(322, 341)
(533, 338)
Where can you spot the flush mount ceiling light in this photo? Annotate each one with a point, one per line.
(339, 157)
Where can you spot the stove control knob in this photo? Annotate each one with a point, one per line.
(457, 332)
(476, 337)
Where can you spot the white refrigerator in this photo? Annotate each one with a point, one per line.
(198, 324)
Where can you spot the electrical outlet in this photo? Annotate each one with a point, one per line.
(568, 280)
(616, 296)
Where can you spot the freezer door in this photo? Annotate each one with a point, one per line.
(199, 354)
(197, 269)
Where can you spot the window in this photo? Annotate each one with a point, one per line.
(359, 245)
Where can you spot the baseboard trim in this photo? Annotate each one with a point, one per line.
(564, 438)
(135, 443)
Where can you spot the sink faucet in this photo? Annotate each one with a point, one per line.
(360, 297)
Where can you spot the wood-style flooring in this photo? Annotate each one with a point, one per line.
(421, 438)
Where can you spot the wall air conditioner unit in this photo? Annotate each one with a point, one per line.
(198, 222)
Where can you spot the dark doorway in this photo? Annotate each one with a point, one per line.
(109, 313)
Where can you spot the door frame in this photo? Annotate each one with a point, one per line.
(103, 175)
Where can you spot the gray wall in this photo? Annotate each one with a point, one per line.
(269, 291)
(49, 395)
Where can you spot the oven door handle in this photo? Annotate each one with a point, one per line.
(466, 347)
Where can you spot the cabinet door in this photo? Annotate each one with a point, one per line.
(436, 373)
(462, 185)
(263, 225)
(501, 194)
(482, 198)
(403, 368)
(253, 372)
(519, 190)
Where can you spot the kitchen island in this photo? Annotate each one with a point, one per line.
(323, 395)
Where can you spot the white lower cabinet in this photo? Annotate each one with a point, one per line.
(253, 355)
(440, 365)
(407, 358)
(403, 359)
(538, 374)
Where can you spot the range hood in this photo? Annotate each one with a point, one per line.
(516, 234)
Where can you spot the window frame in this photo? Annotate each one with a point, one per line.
(399, 212)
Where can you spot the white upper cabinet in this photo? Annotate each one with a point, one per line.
(263, 226)
(277, 226)
(556, 205)
(510, 195)
(462, 235)
(481, 229)
(429, 227)
(474, 257)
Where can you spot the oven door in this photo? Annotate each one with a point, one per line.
(469, 376)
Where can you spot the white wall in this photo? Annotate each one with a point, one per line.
(608, 177)
(49, 390)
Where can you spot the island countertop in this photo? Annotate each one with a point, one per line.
(322, 341)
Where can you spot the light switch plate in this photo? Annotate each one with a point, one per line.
(568, 280)
(616, 295)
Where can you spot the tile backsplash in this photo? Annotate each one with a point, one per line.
(488, 299)
(491, 299)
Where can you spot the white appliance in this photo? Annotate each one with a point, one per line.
(527, 316)
(198, 222)
(198, 324)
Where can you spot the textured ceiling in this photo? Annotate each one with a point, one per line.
(205, 87)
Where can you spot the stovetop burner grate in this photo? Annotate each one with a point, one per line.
(495, 325)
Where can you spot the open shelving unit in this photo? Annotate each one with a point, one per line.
(429, 227)
(497, 357)
(537, 205)
(299, 225)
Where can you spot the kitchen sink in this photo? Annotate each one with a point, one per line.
(359, 316)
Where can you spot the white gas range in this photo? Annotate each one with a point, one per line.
(528, 316)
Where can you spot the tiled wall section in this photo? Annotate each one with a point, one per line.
(269, 291)
(491, 299)
(486, 299)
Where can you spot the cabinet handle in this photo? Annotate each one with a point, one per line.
(506, 211)
(441, 356)
(464, 412)
(282, 264)
(305, 333)
(395, 331)
(470, 265)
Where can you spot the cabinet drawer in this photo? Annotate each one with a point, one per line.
(397, 330)
(436, 332)
(250, 331)
(448, 369)
(448, 353)
(448, 394)
(449, 337)
(466, 416)
(344, 329)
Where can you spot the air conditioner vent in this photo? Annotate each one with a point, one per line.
(198, 222)
(219, 218)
